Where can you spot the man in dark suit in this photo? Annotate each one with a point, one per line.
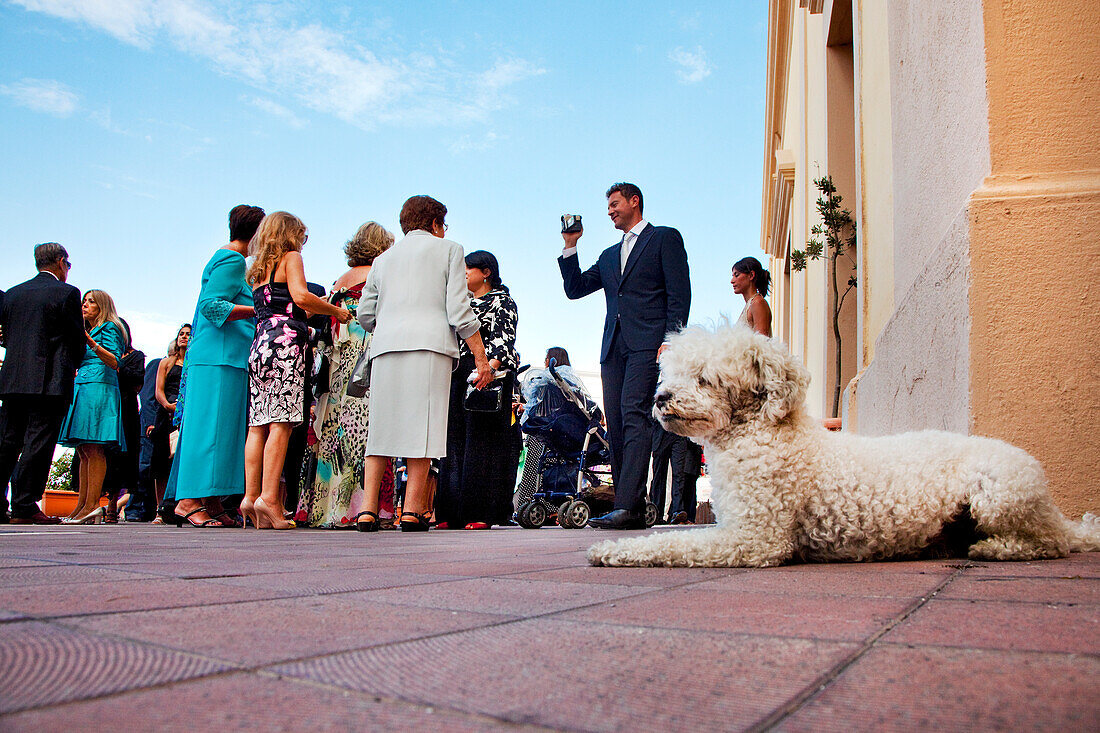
(44, 339)
(645, 282)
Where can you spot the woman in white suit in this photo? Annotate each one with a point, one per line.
(414, 302)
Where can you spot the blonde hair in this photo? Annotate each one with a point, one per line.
(107, 312)
(279, 233)
(371, 240)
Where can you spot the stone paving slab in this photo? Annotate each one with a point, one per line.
(246, 702)
(1036, 590)
(263, 632)
(763, 614)
(132, 625)
(42, 664)
(1023, 626)
(575, 676)
(905, 689)
(75, 599)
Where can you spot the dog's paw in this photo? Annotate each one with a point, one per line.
(601, 553)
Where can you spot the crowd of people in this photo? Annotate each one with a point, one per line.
(390, 400)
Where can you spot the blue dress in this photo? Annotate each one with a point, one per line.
(95, 414)
(210, 453)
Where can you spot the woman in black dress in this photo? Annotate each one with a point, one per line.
(478, 475)
(167, 390)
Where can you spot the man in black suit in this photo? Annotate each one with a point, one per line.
(645, 282)
(44, 339)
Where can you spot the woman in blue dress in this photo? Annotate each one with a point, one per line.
(209, 461)
(94, 421)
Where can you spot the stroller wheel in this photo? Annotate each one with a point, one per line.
(536, 514)
(650, 514)
(521, 515)
(578, 514)
(563, 515)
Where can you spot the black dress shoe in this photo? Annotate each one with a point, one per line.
(618, 519)
(36, 518)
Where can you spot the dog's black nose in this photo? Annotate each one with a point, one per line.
(660, 399)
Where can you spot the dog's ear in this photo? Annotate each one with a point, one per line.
(782, 379)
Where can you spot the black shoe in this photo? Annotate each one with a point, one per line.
(618, 519)
(5, 518)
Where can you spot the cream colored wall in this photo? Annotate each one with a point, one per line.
(940, 151)
(875, 203)
(814, 146)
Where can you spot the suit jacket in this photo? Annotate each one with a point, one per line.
(43, 337)
(649, 299)
(415, 297)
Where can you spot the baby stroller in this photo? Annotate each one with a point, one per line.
(576, 479)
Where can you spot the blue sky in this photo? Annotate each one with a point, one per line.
(129, 128)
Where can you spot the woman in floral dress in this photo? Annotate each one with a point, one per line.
(336, 495)
(276, 363)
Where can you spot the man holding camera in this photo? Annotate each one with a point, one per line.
(645, 282)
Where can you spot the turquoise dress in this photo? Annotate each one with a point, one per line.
(210, 453)
(95, 414)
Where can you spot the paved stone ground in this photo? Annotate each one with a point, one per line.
(134, 627)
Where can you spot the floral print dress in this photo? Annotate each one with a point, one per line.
(276, 364)
(335, 495)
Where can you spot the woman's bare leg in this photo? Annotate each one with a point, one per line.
(416, 492)
(96, 461)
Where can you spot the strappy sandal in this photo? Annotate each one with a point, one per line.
(181, 518)
(371, 526)
(420, 525)
(228, 521)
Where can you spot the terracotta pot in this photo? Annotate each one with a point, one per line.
(832, 423)
(61, 503)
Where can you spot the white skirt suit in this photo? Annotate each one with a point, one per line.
(414, 303)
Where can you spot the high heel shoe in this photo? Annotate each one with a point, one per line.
(269, 518)
(92, 517)
(420, 525)
(371, 526)
(248, 512)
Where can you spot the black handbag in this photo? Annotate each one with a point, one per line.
(490, 399)
(131, 372)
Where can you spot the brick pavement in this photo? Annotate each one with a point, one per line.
(155, 628)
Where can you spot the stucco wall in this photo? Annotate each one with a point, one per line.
(1035, 244)
(939, 123)
(918, 378)
(875, 204)
(919, 375)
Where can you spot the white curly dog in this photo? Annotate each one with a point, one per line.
(784, 489)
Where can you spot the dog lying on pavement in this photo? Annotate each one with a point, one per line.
(786, 490)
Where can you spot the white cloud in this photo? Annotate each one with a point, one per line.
(276, 110)
(693, 65)
(43, 95)
(320, 67)
(467, 143)
(128, 20)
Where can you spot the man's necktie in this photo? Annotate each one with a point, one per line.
(628, 242)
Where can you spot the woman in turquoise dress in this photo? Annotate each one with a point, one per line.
(210, 452)
(94, 421)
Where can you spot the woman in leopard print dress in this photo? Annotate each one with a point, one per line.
(342, 421)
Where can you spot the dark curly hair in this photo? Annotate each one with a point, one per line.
(421, 212)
